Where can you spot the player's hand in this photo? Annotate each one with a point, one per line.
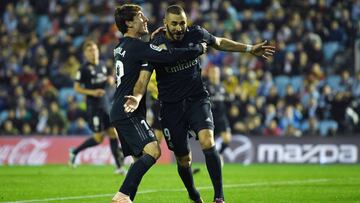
(99, 93)
(204, 46)
(131, 103)
(160, 29)
(263, 50)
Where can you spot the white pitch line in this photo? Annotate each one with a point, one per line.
(294, 182)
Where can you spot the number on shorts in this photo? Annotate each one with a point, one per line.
(167, 134)
(145, 124)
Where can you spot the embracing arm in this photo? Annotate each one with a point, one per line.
(132, 101)
(157, 54)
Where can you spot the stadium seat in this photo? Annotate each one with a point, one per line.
(281, 82)
(330, 49)
(334, 82)
(297, 83)
(64, 93)
(326, 125)
(290, 47)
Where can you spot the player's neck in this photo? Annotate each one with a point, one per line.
(132, 34)
(95, 62)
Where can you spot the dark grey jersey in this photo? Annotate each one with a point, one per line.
(132, 55)
(93, 76)
(181, 79)
(217, 97)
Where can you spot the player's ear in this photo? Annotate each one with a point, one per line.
(164, 21)
(129, 24)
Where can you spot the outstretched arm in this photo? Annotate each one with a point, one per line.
(132, 101)
(260, 49)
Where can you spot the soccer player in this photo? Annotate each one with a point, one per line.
(91, 80)
(185, 103)
(131, 56)
(218, 108)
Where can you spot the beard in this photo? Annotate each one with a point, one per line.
(177, 36)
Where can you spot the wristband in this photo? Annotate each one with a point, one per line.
(248, 48)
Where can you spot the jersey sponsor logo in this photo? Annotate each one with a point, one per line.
(156, 48)
(181, 66)
(100, 78)
(151, 134)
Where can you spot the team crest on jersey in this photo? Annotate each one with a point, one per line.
(156, 48)
(151, 134)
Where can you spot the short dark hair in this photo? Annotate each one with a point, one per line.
(88, 43)
(124, 13)
(174, 9)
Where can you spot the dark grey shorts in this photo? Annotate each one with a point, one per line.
(177, 119)
(134, 133)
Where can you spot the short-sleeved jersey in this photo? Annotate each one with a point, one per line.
(93, 76)
(181, 79)
(132, 55)
(217, 97)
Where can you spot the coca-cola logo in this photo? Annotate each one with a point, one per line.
(100, 154)
(28, 151)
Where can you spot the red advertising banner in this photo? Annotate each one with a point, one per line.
(39, 150)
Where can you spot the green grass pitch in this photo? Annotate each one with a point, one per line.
(254, 183)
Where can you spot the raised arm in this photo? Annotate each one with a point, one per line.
(260, 49)
(132, 101)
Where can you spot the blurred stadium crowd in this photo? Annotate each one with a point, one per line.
(310, 86)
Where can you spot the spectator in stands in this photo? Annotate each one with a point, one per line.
(272, 129)
(312, 128)
(8, 128)
(290, 97)
(324, 102)
(345, 81)
(291, 118)
(79, 127)
(265, 85)
(56, 120)
(273, 96)
(291, 131)
(42, 126)
(73, 113)
(270, 114)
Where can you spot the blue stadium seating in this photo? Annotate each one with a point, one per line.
(330, 49)
(326, 125)
(281, 82)
(334, 82)
(297, 83)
